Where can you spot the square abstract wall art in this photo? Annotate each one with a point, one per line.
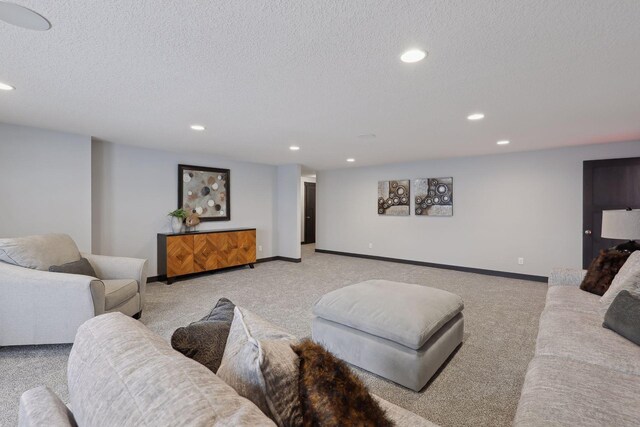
(393, 197)
(205, 191)
(433, 196)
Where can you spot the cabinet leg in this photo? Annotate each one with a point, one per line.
(169, 281)
(251, 266)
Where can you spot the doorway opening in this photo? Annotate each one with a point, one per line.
(309, 212)
(608, 185)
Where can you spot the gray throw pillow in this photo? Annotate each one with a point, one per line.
(260, 365)
(623, 316)
(82, 266)
(204, 340)
(627, 278)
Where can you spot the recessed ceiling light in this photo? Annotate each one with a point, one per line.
(4, 86)
(20, 16)
(503, 142)
(475, 116)
(294, 148)
(351, 160)
(198, 127)
(413, 55)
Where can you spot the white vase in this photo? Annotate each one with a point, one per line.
(176, 224)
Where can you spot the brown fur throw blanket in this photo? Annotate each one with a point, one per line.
(330, 394)
(602, 271)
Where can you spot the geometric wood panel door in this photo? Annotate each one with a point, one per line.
(225, 248)
(179, 255)
(204, 253)
(246, 247)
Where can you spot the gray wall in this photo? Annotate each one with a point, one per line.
(288, 201)
(505, 206)
(134, 189)
(45, 183)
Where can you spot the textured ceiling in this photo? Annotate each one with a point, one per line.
(263, 75)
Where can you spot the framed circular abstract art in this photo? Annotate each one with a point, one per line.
(205, 191)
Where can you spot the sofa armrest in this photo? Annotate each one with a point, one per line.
(401, 417)
(40, 307)
(40, 407)
(113, 267)
(566, 277)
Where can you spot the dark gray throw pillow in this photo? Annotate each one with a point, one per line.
(82, 266)
(204, 341)
(623, 316)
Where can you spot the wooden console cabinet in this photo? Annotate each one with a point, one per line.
(180, 254)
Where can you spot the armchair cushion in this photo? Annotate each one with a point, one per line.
(112, 267)
(39, 252)
(82, 266)
(118, 291)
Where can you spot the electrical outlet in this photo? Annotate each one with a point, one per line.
(370, 245)
(521, 261)
(259, 248)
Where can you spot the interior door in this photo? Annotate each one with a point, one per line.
(309, 212)
(608, 184)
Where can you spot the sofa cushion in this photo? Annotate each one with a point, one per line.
(41, 407)
(204, 341)
(118, 291)
(572, 298)
(623, 316)
(602, 271)
(627, 278)
(566, 277)
(122, 374)
(401, 312)
(332, 395)
(564, 392)
(82, 267)
(39, 252)
(259, 364)
(580, 336)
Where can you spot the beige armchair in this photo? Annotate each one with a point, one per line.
(41, 307)
(124, 281)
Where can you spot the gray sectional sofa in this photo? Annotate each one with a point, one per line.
(122, 374)
(582, 374)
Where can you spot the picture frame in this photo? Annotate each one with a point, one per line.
(394, 197)
(205, 191)
(433, 196)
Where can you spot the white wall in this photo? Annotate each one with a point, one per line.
(45, 183)
(289, 211)
(505, 206)
(302, 214)
(135, 188)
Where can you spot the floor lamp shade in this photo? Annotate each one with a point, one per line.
(621, 224)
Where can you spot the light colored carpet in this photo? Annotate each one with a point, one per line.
(480, 385)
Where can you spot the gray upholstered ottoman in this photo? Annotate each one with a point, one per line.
(400, 331)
